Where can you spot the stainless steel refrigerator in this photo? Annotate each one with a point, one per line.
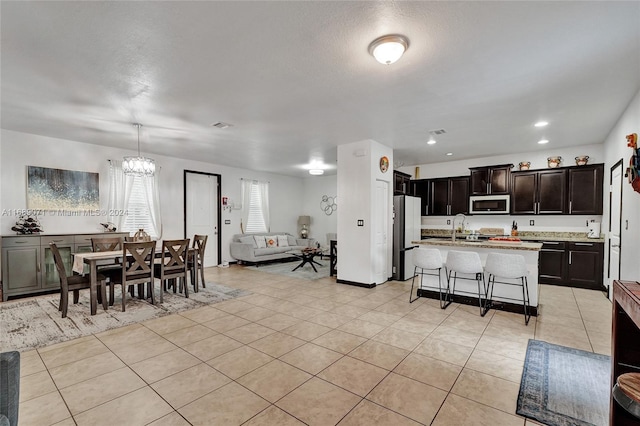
(406, 228)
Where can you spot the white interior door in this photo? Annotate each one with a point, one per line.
(615, 222)
(202, 212)
(381, 226)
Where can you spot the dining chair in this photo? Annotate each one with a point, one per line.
(172, 266)
(74, 283)
(137, 269)
(196, 262)
(110, 271)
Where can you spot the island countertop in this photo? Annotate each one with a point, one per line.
(531, 246)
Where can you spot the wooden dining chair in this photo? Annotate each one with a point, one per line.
(137, 269)
(196, 262)
(74, 283)
(110, 271)
(173, 266)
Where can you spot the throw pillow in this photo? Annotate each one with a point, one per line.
(283, 241)
(292, 240)
(260, 241)
(272, 241)
(248, 239)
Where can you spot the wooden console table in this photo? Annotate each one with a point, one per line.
(625, 349)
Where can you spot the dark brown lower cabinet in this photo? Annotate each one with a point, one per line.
(571, 264)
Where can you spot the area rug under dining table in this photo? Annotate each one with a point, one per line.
(563, 386)
(36, 322)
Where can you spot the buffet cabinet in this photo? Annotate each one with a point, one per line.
(27, 262)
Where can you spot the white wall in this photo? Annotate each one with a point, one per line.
(615, 148)
(538, 161)
(20, 150)
(358, 170)
(321, 224)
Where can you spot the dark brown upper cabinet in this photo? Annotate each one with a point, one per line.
(401, 183)
(539, 192)
(585, 189)
(449, 196)
(490, 179)
(420, 188)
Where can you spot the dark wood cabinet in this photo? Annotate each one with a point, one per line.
(539, 192)
(420, 188)
(585, 265)
(490, 179)
(449, 196)
(401, 183)
(585, 189)
(572, 264)
(552, 268)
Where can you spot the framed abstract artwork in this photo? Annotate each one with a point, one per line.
(57, 189)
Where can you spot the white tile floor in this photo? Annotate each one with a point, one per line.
(306, 352)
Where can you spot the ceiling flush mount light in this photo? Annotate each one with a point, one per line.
(138, 166)
(541, 123)
(543, 141)
(316, 172)
(431, 141)
(389, 48)
(449, 154)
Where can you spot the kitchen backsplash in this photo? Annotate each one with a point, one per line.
(555, 223)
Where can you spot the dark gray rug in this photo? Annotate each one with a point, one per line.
(286, 269)
(564, 386)
(36, 322)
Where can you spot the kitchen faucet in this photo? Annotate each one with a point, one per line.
(453, 226)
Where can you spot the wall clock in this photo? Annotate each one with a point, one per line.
(384, 164)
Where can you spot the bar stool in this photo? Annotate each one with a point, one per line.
(626, 392)
(427, 259)
(511, 267)
(465, 262)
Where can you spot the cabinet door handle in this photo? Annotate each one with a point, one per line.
(615, 245)
(570, 205)
(20, 242)
(57, 241)
(584, 244)
(570, 253)
(550, 242)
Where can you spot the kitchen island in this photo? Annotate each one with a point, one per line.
(505, 297)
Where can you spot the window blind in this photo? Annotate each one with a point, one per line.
(138, 211)
(255, 221)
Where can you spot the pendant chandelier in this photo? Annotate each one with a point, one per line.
(138, 166)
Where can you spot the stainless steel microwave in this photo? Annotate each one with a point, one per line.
(489, 204)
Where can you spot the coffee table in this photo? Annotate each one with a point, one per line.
(306, 256)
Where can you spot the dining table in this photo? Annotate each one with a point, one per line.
(102, 258)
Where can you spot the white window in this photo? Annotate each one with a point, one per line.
(255, 196)
(134, 202)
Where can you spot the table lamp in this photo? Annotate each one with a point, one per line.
(304, 222)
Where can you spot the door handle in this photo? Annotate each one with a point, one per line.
(570, 205)
(585, 244)
(550, 242)
(570, 253)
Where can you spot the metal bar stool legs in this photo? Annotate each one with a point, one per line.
(431, 260)
(465, 262)
(511, 267)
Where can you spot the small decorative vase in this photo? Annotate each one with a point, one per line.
(141, 236)
(524, 165)
(582, 160)
(554, 162)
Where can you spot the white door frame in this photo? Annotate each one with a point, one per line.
(219, 208)
(619, 165)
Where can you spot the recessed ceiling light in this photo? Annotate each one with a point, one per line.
(541, 123)
(449, 153)
(543, 141)
(431, 141)
(221, 125)
(316, 172)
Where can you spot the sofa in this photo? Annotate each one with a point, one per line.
(248, 248)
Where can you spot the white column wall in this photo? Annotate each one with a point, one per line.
(358, 169)
(615, 148)
(20, 150)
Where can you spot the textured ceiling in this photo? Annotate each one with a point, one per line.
(295, 78)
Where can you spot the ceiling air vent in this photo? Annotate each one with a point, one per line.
(221, 125)
(438, 132)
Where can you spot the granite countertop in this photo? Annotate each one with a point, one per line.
(525, 236)
(480, 244)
